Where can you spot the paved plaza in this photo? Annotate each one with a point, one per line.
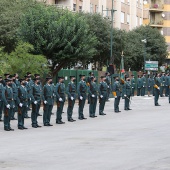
(130, 140)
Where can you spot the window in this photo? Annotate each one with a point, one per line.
(107, 12)
(140, 21)
(122, 17)
(136, 20)
(74, 7)
(128, 18)
(96, 9)
(91, 8)
(122, 0)
(80, 8)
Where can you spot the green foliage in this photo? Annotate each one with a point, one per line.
(62, 36)
(155, 49)
(10, 13)
(21, 60)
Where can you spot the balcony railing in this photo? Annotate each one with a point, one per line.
(157, 23)
(156, 7)
(63, 6)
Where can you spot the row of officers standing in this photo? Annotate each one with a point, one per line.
(16, 96)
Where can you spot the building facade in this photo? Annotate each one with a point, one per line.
(157, 15)
(128, 14)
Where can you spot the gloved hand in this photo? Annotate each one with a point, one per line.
(101, 96)
(115, 97)
(30, 99)
(13, 106)
(20, 105)
(143, 86)
(45, 102)
(81, 98)
(35, 102)
(8, 106)
(125, 95)
(132, 87)
(72, 98)
(92, 95)
(158, 88)
(60, 99)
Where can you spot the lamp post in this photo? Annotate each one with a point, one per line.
(110, 62)
(144, 56)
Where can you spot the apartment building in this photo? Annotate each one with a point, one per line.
(157, 15)
(128, 14)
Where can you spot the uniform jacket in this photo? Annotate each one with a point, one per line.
(48, 94)
(71, 90)
(117, 88)
(60, 91)
(127, 89)
(82, 89)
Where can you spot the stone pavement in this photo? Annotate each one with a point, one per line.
(130, 140)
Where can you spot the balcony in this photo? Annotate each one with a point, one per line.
(60, 6)
(156, 8)
(158, 24)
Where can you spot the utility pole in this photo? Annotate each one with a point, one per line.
(111, 61)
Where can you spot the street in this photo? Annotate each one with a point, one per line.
(130, 140)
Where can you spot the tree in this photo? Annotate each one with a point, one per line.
(21, 60)
(155, 48)
(10, 14)
(62, 36)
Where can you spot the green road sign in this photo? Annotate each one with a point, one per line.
(151, 65)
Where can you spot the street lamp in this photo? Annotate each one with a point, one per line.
(144, 57)
(111, 36)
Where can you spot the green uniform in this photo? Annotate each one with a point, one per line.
(47, 97)
(1, 99)
(60, 99)
(9, 99)
(108, 81)
(127, 94)
(15, 93)
(102, 96)
(149, 84)
(133, 85)
(117, 94)
(93, 98)
(157, 91)
(81, 90)
(166, 86)
(162, 87)
(71, 92)
(22, 110)
(37, 94)
(143, 89)
(29, 91)
(139, 86)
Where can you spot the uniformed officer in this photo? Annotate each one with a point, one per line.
(139, 85)
(127, 93)
(8, 104)
(108, 81)
(6, 76)
(91, 74)
(29, 90)
(117, 94)
(71, 92)
(30, 84)
(167, 85)
(37, 76)
(149, 85)
(143, 89)
(133, 85)
(93, 89)
(23, 96)
(47, 101)
(102, 95)
(60, 99)
(153, 83)
(157, 89)
(1, 98)
(81, 90)
(37, 94)
(15, 94)
(162, 87)
(17, 82)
